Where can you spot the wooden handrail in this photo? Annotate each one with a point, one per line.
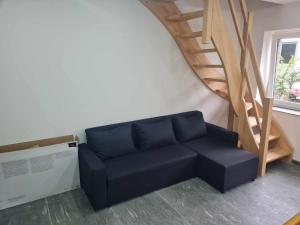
(254, 62)
(253, 101)
(246, 44)
(257, 73)
(247, 35)
(37, 143)
(244, 9)
(207, 21)
(236, 25)
(244, 64)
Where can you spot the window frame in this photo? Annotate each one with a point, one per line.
(275, 38)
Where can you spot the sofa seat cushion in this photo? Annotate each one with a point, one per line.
(222, 165)
(139, 173)
(219, 151)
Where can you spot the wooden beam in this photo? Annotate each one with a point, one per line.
(223, 93)
(247, 35)
(37, 143)
(264, 141)
(253, 101)
(186, 16)
(230, 123)
(236, 25)
(190, 35)
(207, 21)
(256, 69)
(244, 64)
(244, 9)
(200, 51)
(208, 66)
(215, 78)
(249, 106)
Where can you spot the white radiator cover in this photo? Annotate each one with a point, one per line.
(37, 173)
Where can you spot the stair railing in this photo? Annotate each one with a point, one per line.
(207, 21)
(248, 59)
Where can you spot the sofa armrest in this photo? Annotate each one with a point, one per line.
(92, 177)
(220, 132)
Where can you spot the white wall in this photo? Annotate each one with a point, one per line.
(291, 125)
(276, 18)
(67, 65)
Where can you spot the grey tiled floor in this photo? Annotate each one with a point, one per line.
(269, 200)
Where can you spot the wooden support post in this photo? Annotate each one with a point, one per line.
(207, 21)
(236, 24)
(230, 123)
(247, 35)
(265, 133)
(256, 69)
(243, 5)
(244, 63)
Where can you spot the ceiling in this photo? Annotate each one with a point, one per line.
(260, 4)
(280, 1)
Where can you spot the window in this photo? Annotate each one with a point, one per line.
(287, 50)
(287, 76)
(283, 61)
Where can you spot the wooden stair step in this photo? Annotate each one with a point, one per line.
(190, 35)
(215, 78)
(252, 121)
(223, 93)
(249, 106)
(165, 0)
(186, 16)
(200, 51)
(276, 154)
(272, 137)
(208, 66)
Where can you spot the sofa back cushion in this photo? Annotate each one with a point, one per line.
(111, 143)
(155, 134)
(189, 127)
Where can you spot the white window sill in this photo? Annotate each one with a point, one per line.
(288, 111)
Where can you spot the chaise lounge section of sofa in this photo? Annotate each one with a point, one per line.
(126, 160)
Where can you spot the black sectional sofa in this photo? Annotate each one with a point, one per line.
(126, 160)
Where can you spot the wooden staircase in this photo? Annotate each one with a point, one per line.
(258, 130)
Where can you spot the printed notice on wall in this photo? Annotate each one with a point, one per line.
(61, 155)
(42, 163)
(14, 168)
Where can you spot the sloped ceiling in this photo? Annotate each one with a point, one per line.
(280, 1)
(258, 4)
